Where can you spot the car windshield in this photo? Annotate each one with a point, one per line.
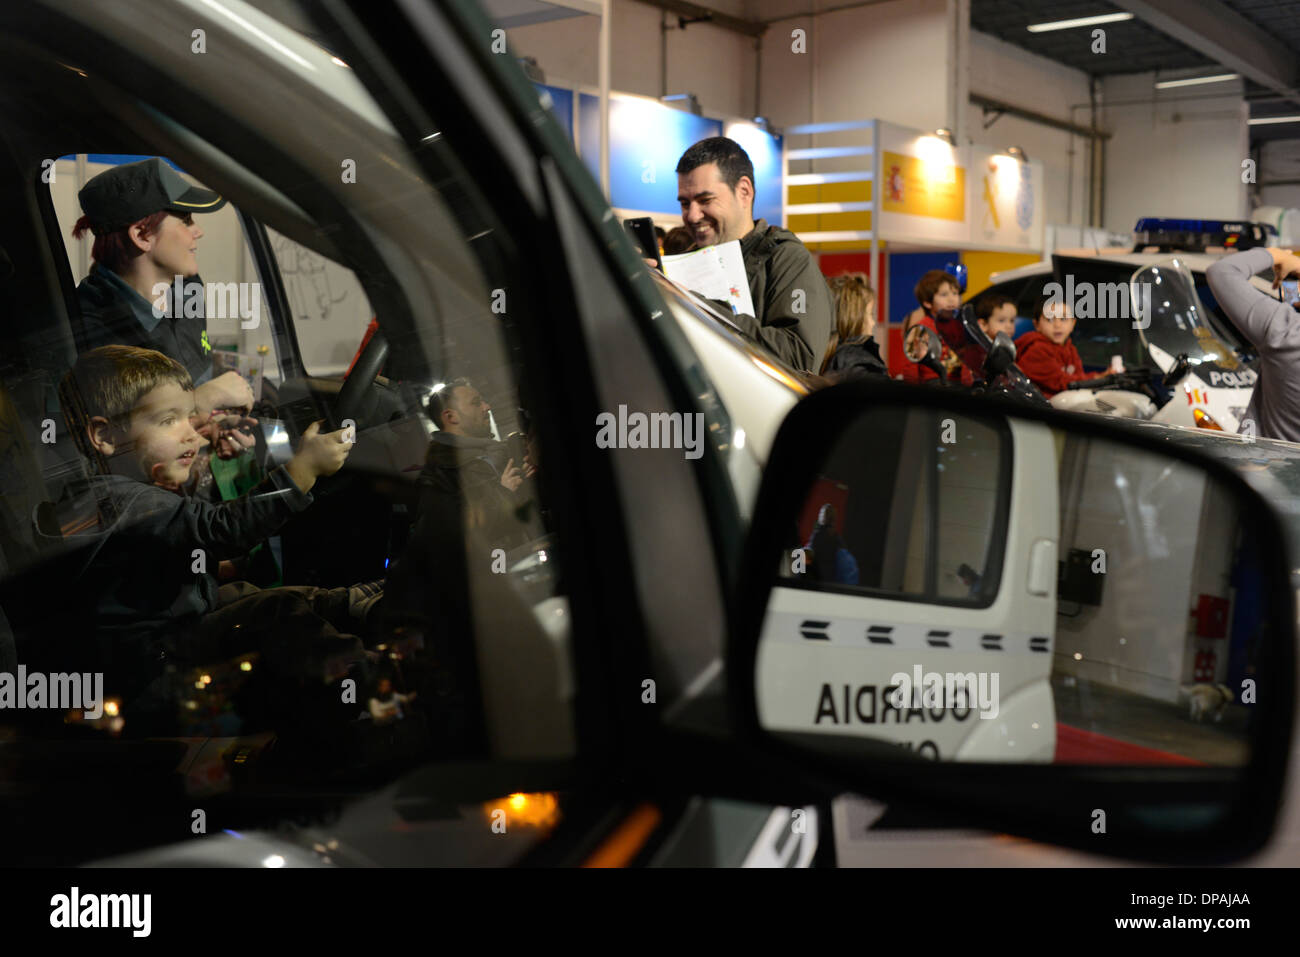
(1165, 300)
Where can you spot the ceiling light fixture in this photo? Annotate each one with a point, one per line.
(1197, 80)
(1267, 120)
(1078, 22)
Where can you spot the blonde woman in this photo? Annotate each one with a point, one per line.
(852, 353)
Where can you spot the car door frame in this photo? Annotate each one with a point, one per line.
(288, 351)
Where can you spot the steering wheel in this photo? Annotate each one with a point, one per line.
(360, 382)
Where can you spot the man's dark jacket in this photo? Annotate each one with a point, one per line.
(462, 477)
(460, 498)
(795, 311)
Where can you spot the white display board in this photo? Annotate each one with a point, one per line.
(970, 196)
(1005, 200)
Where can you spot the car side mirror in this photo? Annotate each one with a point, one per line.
(922, 346)
(1001, 356)
(1019, 620)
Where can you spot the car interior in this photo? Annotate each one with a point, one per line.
(361, 518)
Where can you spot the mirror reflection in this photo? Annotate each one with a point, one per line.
(992, 589)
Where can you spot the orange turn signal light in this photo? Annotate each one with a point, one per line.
(1204, 420)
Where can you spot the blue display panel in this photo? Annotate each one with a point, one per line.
(646, 139)
(905, 271)
(765, 153)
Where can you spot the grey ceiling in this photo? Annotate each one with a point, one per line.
(1279, 18)
(1131, 45)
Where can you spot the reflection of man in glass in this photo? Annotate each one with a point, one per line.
(386, 704)
(831, 561)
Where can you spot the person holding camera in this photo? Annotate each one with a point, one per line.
(1273, 327)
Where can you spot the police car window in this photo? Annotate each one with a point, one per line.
(328, 306)
(410, 610)
(1029, 294)
(1145, 539)
(921, 517)
(1011, 289)
(1105, 325)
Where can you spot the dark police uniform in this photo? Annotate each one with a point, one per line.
(112, 313)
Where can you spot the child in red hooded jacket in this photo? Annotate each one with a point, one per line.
(1047, 355)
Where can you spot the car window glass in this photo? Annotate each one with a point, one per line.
(1088, 656)
(1011, 289)
(412, 610)
(1029, 294)
(1105, 325)
(941, 537)
(329, 306)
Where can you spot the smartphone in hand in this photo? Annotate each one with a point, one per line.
(1289, 292)
(642, 231)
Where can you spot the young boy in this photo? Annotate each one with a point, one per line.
(994, 313)
(1047, 355)
(148, 581)
(939, 298)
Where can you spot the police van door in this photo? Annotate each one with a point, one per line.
(920, 608)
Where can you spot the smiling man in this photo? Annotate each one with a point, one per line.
(715, 187)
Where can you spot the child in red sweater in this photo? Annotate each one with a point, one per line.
(938, 296)
(1047, 355)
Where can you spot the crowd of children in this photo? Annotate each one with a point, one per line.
(1046, 354)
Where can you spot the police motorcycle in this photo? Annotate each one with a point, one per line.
(1206, 384)
(1198, 380)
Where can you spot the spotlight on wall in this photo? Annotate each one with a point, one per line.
(945, 134)
(690, 99)
(1018, 152)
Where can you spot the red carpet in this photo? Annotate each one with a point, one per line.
(1075, 746)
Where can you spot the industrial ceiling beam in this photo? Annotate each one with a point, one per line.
(1222, 34)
